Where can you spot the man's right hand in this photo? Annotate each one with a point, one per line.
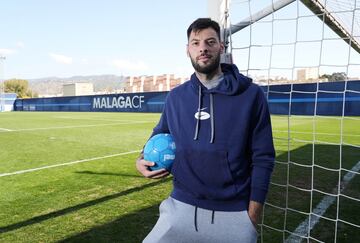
(143, 167)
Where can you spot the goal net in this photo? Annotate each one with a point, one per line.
(306, 56)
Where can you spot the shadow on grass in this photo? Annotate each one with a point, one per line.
(41, 218)
(135, 226)
(107, 173)
(129, 228)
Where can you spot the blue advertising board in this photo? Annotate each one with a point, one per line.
(323, 99)
(134, 102)
(327, 99)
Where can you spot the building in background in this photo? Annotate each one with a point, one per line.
(7, 101)
(308, 74)
(164, 82)
(78, 89)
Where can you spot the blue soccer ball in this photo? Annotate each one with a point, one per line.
(161, 150)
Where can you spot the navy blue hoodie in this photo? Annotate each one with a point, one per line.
(224, 148)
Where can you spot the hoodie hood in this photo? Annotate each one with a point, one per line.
(233, 82)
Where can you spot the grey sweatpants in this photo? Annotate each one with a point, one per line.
(181, 222)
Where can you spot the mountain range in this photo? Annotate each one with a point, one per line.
(53, 86)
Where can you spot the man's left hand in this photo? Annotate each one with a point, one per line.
(255, 209)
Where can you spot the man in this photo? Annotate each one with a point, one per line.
(221, 126)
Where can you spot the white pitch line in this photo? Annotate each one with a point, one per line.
(325, 203)
(80, 126)
(67, 163)
(5, 129)
(93, 119)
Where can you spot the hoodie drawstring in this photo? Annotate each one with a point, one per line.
(198, 119)
(212, 135)
(212, 118)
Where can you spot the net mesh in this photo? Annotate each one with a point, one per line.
(314, 194)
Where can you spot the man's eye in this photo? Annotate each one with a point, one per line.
(195, 43)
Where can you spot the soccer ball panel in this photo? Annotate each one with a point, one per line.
(148, 147)
(161, 150)
(161, 143)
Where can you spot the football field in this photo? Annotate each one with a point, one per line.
(70, 177)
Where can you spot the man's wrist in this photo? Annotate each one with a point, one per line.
(255, 210)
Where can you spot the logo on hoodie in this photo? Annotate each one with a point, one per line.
(202, 115)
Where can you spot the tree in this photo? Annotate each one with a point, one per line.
(20, 87)
(31, 94)
(338, 77)
(325, 76)
(341, 76)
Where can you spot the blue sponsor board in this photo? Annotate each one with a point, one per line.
(134, 102)
(323, 99)
(327, 99)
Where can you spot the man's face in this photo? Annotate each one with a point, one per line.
(204, 49)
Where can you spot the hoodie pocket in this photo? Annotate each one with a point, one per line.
(204, 174)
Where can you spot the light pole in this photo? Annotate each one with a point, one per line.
(2, 88)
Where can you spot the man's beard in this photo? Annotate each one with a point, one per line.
(208, 68)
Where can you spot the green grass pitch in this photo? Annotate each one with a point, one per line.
(102, 198)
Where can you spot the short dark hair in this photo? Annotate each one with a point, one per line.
(203, 23)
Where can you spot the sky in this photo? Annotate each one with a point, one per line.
(46, 38)
(293, 38)
(64, 38)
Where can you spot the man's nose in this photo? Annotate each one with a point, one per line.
(203, 48)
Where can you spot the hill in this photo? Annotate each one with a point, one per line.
(53, 85)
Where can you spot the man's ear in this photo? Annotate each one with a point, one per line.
(187, 50)
(222, 47)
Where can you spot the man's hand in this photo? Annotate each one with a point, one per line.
(143, 167)
(255, 209)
